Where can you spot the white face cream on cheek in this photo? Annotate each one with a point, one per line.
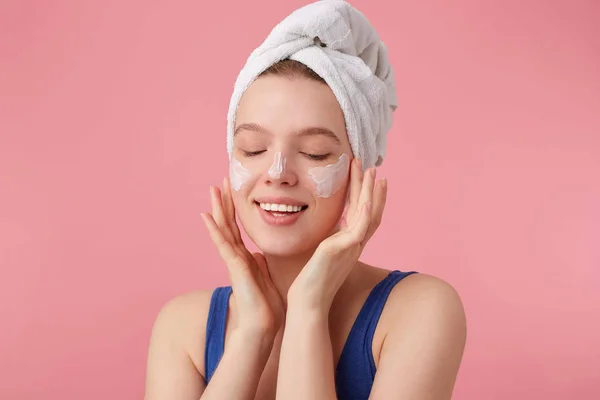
(330, 178)
(238, 175)
(277, 167)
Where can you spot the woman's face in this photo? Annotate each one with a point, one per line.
(290, 151)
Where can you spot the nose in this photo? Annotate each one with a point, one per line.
(280, 173)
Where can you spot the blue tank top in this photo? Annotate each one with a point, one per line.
(355, 372)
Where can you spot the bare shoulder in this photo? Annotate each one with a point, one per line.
(428, 299)
(426, 312)
(425, 335)
(175, 367)
(182, 322)
(425, 287)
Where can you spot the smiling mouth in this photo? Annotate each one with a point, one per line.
(281, 210)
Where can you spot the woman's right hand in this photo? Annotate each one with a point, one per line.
(259, 307)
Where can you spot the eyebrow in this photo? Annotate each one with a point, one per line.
(311, 131)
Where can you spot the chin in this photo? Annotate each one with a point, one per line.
(284, 245)
(300, 237)
(289, 242)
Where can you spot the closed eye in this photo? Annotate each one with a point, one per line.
(252, 153)
(317, 157)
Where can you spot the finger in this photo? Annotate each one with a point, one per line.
(366, 192)
(218, 214)
(227, 203)
(236, 266)
(344, 218)
(379, 200)
(230, 211)
(356, 178)
(224, 247)
(358, 231)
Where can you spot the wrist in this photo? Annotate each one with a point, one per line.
(300, 310)
(303, 303)
(305, 326)
(257, 329)
(252, 340)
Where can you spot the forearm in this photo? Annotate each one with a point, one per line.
(306, 362)
(240, 368)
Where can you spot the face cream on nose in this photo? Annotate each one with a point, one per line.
(238, 175)
(276, 168)
(330, 178)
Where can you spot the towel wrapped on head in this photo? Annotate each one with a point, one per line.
(337, 42)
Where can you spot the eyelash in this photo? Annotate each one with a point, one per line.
(315, 157)
(252, 153)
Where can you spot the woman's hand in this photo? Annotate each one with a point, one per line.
(258, 303)
(318, 282)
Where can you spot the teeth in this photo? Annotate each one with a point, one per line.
(279, 207)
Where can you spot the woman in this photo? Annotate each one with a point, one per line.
(304, 318)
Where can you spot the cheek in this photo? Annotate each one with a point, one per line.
(330, 179)
(328, 212)
(243, 176)
(243, 210)
(238, 175)
(324, 181)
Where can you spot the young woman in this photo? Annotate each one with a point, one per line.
(304, 318)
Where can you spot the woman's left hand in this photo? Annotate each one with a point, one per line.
(320, 279)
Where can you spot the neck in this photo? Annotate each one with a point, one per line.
(285, 269)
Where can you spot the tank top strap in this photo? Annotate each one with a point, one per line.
(215, 330)
(356, 367)
(373, 309)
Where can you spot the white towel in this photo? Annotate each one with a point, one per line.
(337, 42)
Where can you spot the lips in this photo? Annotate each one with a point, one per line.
(280, 211)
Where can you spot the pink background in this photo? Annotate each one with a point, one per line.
(112, 126)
